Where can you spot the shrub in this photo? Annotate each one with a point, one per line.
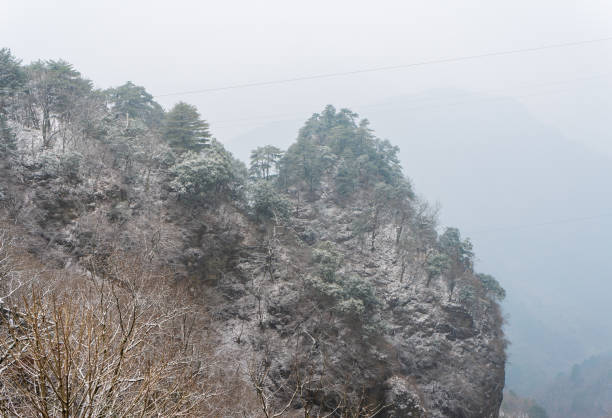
(328, 258)
(268, 203)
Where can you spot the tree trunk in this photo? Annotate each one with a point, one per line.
(45, 126)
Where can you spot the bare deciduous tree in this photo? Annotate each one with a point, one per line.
(82, 346)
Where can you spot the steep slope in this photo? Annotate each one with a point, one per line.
(418, 348)
(502, 176)
(497, 168)
(325, 285)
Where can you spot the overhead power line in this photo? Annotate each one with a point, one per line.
(421, 102)
(390, 67)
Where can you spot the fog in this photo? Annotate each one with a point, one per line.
(516, 148)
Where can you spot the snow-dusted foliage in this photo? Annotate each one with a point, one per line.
(210, 171)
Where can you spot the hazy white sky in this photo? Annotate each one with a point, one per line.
(189, 45)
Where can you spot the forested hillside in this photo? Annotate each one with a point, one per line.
(511, 182)
(146, 271)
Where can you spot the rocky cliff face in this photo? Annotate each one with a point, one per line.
(310, 304)
(421, 353)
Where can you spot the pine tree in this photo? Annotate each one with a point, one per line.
(130, 101)
(12, 78)
(265, 162)
(184, 130)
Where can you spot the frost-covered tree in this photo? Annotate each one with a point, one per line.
(268, 202)
(184, 129)
(212, 171)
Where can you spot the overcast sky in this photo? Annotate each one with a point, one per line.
(189, 45)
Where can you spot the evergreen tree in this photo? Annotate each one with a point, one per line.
(130, 101)
(458, 250)
(265, 162)
(212, 171)
(339, 137)
(346, 178)
(491, 286)
(56, 88)
(435, 265)
(12, 78)
(306, 162)
(184, 130)
(459, 253)
(268, 203)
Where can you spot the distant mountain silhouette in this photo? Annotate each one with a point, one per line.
(586, 391)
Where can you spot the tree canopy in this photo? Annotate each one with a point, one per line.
(212, 171)
(56, 88)
(268, 202)
(12, 79)
(132, 101)
(185, 130)
(459, 251)
(491, 286)
(265, 162)
(339, 139)
(12, 76)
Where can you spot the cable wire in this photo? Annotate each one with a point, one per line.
(390, 67)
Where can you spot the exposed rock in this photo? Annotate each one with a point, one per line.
(402, 398)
